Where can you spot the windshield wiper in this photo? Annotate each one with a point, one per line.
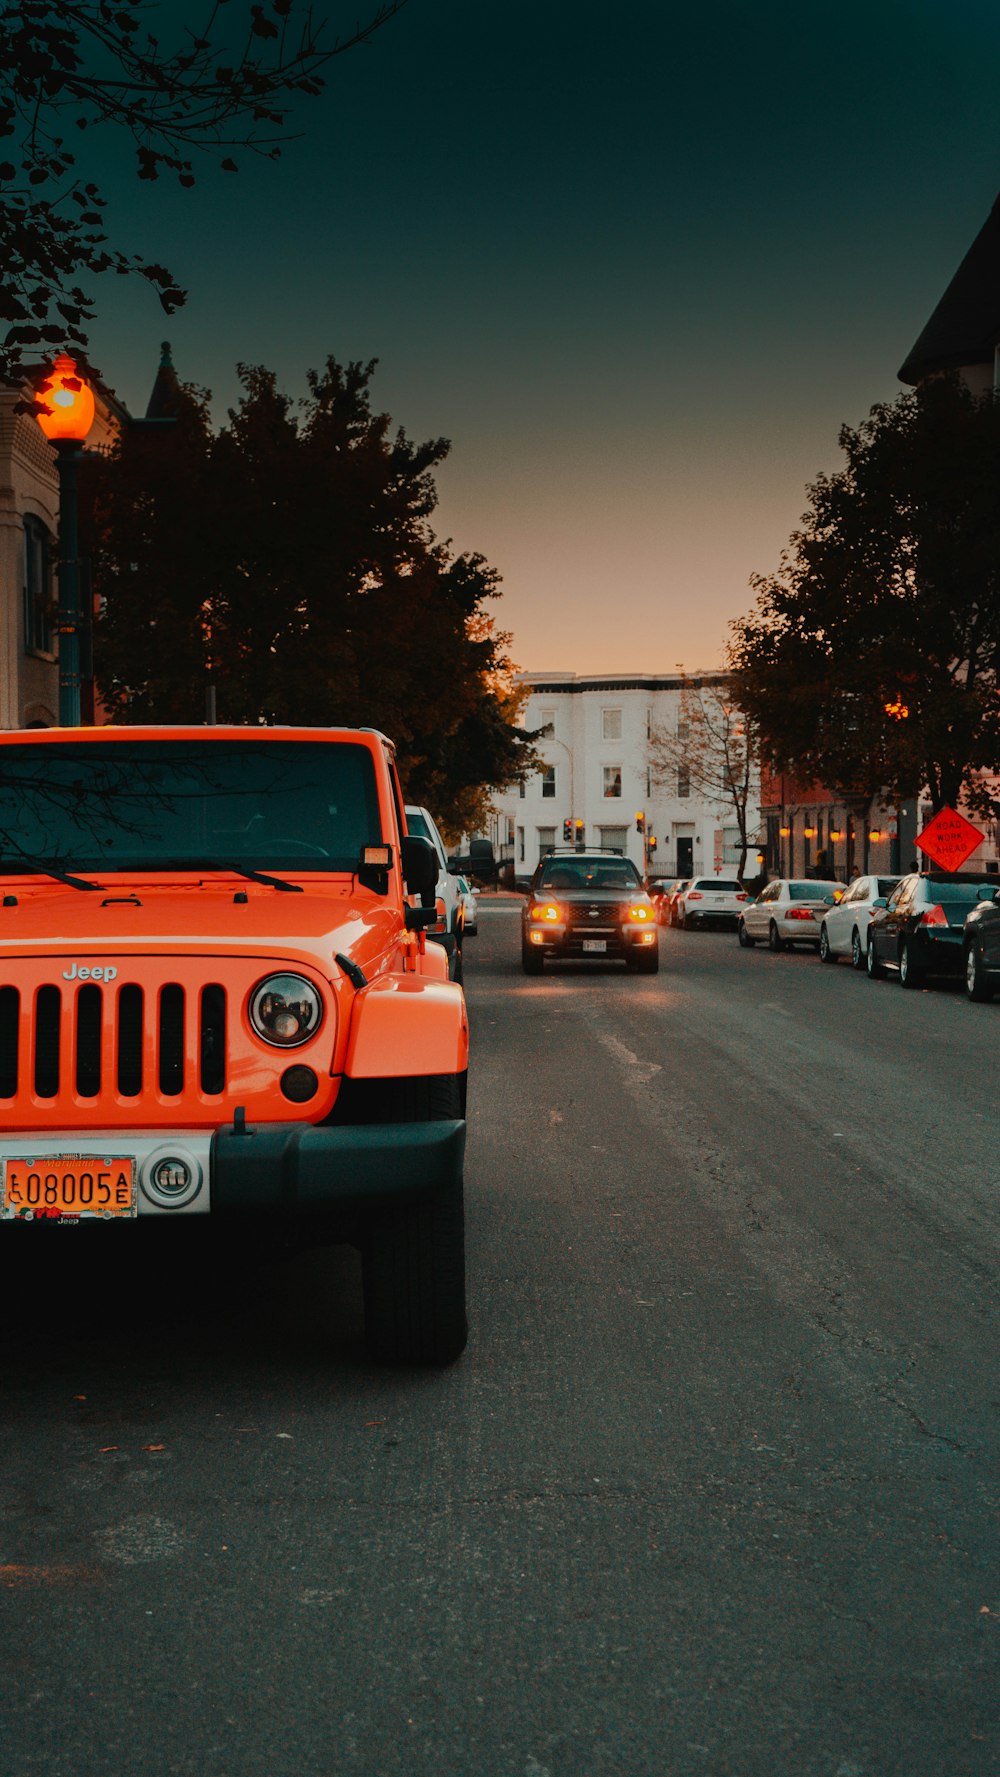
(278, 882)
(46, 869)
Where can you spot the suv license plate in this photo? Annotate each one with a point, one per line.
(598, 944)
(53, 1187)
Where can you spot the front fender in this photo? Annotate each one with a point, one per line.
(407, 1024)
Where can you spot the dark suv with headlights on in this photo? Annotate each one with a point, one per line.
(588, 905)
(920, 929)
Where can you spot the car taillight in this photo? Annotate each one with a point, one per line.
(934, 916)
(695, 895)
(799, 913)
(742, 897)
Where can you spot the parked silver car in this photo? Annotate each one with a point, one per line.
(787, 912)
(843, 930)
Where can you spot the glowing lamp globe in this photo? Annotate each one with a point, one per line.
(71, 403)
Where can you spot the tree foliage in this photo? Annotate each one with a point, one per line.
(715, 747)
(68, 67)
(289, 561)
(871, 661)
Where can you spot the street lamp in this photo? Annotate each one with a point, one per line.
(70, 403)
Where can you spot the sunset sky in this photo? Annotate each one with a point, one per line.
(638, 264)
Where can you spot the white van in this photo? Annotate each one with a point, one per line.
(451, 906)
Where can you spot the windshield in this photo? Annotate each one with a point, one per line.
(713, 882)
(813, 891)
(590, 873)
(187, 804)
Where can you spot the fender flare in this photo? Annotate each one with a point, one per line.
(407, 1024)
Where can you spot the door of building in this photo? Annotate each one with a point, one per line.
(685, 855)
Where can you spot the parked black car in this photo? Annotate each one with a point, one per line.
(588, 905)
(920, 929)
(981, 944)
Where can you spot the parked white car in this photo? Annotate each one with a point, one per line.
(450, 928)
(710, 900)
(843, 929)
(470, 906)
(786, 913)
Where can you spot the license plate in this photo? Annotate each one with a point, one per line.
(595, 944)
(68, 1187)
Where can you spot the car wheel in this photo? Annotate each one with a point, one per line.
(775, 941)
(532, 958)
(872, 964)
(745, 940)
(857, 954)
(978, 985)
(414, 1262)
(826, 955)
(687, 923)
(910, 974)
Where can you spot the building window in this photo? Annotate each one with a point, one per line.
(732, 846)
(611, 724)
(547, 721)
(683, 780)
(549, 781)
(612, 780)
(614, 839)
(521, 790)
(37, 587)
(546, 840)
(520, 845)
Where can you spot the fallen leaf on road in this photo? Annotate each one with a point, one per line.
(106, 1449)
(154, 1446)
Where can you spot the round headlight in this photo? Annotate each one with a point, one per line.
(285, 1010)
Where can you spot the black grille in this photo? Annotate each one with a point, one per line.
(48, 1008)
(130, 1041)
(88, 1041)
(172, 1041)
(10, 1007)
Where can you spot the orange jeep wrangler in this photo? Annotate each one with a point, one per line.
(217, 1000)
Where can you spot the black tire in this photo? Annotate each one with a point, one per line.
(743, 936)
(826, 955)
(687, 923)
(646, 962)
(857, 950)
(532, 958)
(910, 972)
(775, 941)
(456, 970)
(413, 1258)
(978, 985)
(872, 964)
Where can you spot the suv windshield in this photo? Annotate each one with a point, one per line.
(186, 804)
(932, 889)
(713, 882)
(590, 873)
(813, 891)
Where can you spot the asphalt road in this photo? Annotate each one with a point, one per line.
(713, 1492)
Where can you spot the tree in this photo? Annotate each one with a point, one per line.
(715, 748)
(289, 562)
(77, 65)
(871, 661)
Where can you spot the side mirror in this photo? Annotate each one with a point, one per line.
(420, 867)
(880, 902)
(986, 892)
(454, 866)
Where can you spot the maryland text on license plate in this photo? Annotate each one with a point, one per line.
(70, 1187)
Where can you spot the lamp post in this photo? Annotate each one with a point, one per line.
(70, 401)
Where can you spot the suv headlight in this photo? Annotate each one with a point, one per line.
(285, 1010)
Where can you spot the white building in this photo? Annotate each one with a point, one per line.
(598, 777)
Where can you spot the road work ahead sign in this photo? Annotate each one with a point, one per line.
(949, 839)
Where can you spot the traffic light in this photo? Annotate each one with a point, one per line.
(640, 822)
(567, 832)
(579, 825)
(651, 844)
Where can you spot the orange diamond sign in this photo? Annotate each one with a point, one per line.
(949, 839)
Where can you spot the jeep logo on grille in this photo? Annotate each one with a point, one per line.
(96, 972)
